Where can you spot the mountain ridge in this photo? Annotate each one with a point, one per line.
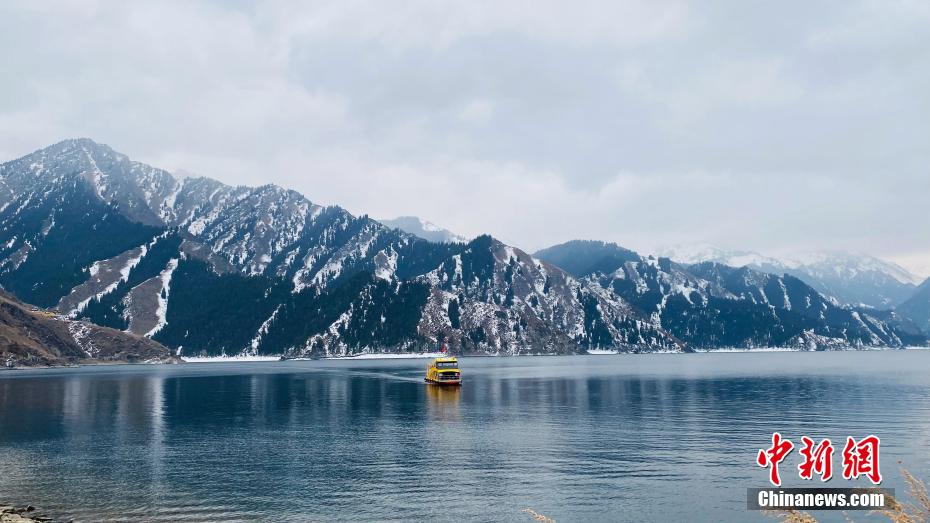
(711, 304)
(193, 252)
(855, 279)
(208, 268)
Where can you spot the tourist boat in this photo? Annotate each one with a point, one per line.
(444, 371)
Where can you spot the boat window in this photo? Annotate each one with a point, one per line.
(446, 365)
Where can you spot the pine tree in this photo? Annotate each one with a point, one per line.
(454, 314)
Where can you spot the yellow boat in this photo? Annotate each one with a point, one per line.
(444, 371)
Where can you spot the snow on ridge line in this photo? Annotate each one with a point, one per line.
(97, 175)
(162, 311)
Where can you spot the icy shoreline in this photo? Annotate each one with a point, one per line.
(424, 355)
(227, 359)
(365, 356)
(792, 349)
(390, 356)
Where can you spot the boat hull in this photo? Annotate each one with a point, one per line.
(445, 383)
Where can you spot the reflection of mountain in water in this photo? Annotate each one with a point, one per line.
(575, 438)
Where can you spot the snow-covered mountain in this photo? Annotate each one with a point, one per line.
(851, 278)
(711, 305)
(688, 254)
(208, 268)
(423, 229)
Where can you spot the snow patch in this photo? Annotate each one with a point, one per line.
(162, 311)
(262, 331)
(123, 276)
(81, 333)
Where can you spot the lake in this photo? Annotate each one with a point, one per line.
(666, 437)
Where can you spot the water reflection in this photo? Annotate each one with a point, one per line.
(443, 402)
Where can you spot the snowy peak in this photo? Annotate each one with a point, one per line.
(856, 279)
(710, 304)
(703, 252)
(836, 263)
(424, 229)
(849, 265)
(135, 188)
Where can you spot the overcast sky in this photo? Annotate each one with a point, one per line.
(761, 125)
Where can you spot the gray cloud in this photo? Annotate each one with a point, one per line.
(762, 126)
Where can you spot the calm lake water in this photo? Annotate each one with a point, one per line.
(593, 438)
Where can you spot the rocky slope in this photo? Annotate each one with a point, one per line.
(31, 337)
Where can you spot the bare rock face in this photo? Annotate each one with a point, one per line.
(142, 305)
(33, 337)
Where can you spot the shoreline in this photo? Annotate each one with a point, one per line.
(427, 355)
(27, 514)
(229, 359)
(591, 352)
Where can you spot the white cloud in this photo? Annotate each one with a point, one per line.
(477, 111)
(440, 24)
(745, 125)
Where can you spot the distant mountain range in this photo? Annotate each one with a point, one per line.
(424, 229)
(852, 278)
(710, 304)
(206, 268)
